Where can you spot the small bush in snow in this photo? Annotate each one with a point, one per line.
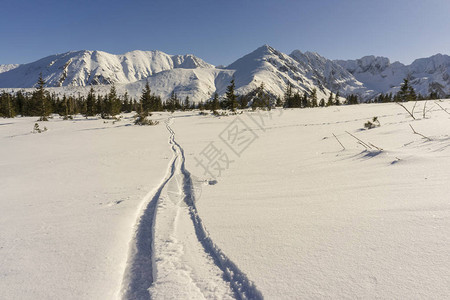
(141, 119)
(37, 129)
(117, 119)
(42, 119)
(372, 124)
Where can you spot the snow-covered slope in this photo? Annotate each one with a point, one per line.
(188, 75)
(275, 69)
(333, 76)
(84, 68)
(197, 84)
(431, 74)
(6, 68)
(376, 73)
(426, 74)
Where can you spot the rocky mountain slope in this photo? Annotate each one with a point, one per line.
(188, 75)
(6, 68)
(426, 75)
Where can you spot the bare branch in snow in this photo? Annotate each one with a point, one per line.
(441, 107)
(412, 116)
(424, 108)
(343, 148)
(368, 146)
(412, 111)
(415, 132)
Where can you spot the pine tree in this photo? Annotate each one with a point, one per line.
(330, 99)
(126, 107)
(201, 105)
(64, 108)
(402, 94)
(100, 106)
(411, 94)
(146, 99)
(304, 101)
(186, 103)
(71, 106)
(279, 103)
(243, 101)
(215, 102)
(352, 99)
(6, 106)
(288, 96)
(21, 103)
(314, 97)
(90, 103)
(114, 104)
(261, 99)
(157, 103)
(173, 102)
(336, 98)
(40, 100)
(231, 97)
(296, 100)
(406, 92)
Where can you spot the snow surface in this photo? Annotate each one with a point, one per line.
(97, 210)
(69, 199)
(304, 219)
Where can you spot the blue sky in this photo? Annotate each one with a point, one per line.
(221, 31)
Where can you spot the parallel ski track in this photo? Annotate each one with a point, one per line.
(140, 270)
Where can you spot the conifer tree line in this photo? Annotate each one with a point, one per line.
(295, 99)
(406, 93)
(42, 104)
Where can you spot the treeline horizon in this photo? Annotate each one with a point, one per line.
(42, 103)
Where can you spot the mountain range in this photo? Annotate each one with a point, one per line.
(187, 75)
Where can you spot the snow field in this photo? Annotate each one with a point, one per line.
(305, 219)
(96, 210)
(69, 199)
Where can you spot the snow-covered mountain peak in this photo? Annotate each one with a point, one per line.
(431, 74)
(271, 67)
(190, 76)
(308, 58)
(8, 67)
(431, 64)
(313, 55)
(372, 64)
(264, 49)
(328, 73)
(85, 67)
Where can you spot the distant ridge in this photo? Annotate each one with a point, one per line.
(187, 75)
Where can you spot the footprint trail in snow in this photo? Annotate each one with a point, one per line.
(182, 262)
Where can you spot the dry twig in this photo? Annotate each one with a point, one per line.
(368, 146)
(424, 108)
(415, 132)
(412, 116)
(442, 107)
(412, 111)
(343, 148)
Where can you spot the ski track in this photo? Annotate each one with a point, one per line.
(172, 255)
